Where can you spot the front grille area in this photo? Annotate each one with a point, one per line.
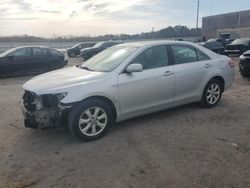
(29, 101)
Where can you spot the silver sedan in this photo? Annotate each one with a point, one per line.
(125, 81)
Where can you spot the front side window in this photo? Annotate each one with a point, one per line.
(24, 52)
(183, 54)
(153, 57)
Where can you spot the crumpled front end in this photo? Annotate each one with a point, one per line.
(44, 111)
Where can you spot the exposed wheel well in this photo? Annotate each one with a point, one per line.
(221, 80)
(107, 100)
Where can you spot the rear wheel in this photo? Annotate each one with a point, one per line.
(90, 119)
(212, 93)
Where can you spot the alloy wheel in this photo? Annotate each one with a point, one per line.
(213, 93)
(93, 121)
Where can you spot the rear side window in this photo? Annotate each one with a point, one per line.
(153, 57)
(37, 52)
(202, 56)
(183, 54)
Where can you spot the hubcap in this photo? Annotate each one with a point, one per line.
(213, 93)
(92, 121)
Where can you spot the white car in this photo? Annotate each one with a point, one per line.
(125, 81)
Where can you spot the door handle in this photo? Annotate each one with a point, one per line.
(168, 73)
(208, 65)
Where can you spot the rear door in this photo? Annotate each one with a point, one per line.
(40, 58)
(192, 69)
(149, 90)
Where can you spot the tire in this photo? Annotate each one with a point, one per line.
(212, 93)
(90, 120)
(244, 73)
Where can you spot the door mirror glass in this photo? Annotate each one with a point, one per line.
(134, 68)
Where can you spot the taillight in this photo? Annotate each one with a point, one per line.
(231, 63)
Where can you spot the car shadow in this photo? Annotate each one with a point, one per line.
(164, 114)
(63, 134)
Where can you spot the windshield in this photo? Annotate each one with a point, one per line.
(241, 41)
(212, 40)
(98, 44)
(76, 45)
(7, 52)
(109, 59)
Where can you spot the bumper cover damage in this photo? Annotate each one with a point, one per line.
(47, 116)
(44, 119)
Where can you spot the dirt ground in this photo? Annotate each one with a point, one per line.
(183, 147)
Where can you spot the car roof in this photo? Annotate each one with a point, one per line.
(154, 43)
(148, 44)
(19, 47)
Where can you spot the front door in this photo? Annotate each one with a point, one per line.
(18, 61)
(151, 89)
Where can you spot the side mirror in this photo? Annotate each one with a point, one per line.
(134, 68)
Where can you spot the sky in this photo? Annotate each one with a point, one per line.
(50, 18)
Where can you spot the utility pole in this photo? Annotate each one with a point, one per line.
(197, 20)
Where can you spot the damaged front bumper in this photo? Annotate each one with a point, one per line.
(43, 117)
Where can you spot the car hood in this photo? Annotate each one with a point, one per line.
(62, 79)
(247, 52)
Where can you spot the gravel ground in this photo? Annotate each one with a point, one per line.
(183, 147)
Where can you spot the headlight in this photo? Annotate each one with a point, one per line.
(49, 100)
(60, 96)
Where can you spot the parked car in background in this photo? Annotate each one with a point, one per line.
(31, 58)
(214, 45)
(125, 81)
(244, 65)
(100, 46)
(220, 40)
(75, 50)
(223, 41)
(238, 47)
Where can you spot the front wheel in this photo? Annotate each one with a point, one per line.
(212, 93)
(90, 119)
(244, 73)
